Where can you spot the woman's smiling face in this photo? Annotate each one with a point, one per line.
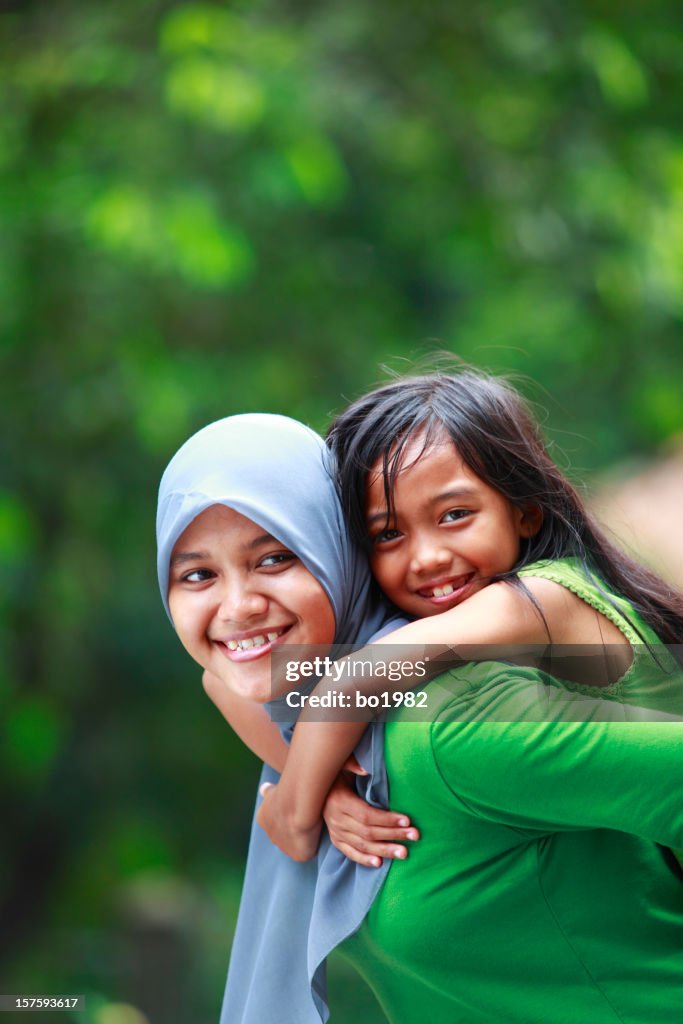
(235, 592)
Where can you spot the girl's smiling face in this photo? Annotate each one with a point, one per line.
(235, 592)
(448, 533)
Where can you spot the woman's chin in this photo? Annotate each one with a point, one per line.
(247, 674)
(249, 680)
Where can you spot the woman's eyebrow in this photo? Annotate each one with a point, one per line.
(188, 556)
(197, 556)
(258, 542)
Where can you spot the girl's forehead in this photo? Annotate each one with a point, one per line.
(428, 472)
(412, 449)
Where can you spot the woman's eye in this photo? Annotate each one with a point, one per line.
(454, 514)
(278, 558)
(198, 576)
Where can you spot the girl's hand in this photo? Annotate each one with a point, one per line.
(361, 832)
(298, 843)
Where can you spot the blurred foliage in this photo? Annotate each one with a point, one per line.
(208, 208)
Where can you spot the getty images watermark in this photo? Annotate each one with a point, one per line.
(514, 683)
(347, 670)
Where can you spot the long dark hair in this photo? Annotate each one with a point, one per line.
(497, 437)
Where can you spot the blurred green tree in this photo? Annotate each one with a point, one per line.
(209, 208)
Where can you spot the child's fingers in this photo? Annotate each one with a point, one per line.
(365, 816)
(381, 835)
(352, 832)
(375, 817)
(348, 803)
(370, 854)
(368, 844)
(367, 860)
(369, 832)
(352, 765)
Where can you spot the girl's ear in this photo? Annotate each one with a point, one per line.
(531, 519)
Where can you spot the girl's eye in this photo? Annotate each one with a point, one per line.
(384, 536)
(278, 558)
(454, 514)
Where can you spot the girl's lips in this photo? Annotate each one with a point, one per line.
(252, 653)
(460, 587)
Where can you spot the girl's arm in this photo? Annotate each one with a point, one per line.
(290, 812)
(363, 833)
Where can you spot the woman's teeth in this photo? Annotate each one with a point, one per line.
(253, 641)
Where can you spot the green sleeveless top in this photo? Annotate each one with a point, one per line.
(653, 679)
(542, 890)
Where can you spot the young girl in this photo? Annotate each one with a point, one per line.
(542, 869)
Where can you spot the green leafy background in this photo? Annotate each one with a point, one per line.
(209, 208)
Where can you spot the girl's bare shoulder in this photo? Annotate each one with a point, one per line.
(569, 618)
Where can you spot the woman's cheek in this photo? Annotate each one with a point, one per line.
(187, 620)
(315, 611)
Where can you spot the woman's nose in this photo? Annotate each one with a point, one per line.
(240, 600)
(428, 555)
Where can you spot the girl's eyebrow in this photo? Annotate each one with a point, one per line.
(465, 491)
(376, 516)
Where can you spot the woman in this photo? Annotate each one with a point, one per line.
(262, 482)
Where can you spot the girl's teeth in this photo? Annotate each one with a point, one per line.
(272, 636)
(232, 645)
(443, 591)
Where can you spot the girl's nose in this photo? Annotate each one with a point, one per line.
(240, 601)
(429, 555)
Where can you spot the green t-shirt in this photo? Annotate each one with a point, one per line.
(542, 890)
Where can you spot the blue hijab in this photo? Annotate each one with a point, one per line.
(277, 472)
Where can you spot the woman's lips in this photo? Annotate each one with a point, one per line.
(257, 645)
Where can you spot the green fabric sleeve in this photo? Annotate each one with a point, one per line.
(610, 766)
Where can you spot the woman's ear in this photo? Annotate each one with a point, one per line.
(531, 519)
